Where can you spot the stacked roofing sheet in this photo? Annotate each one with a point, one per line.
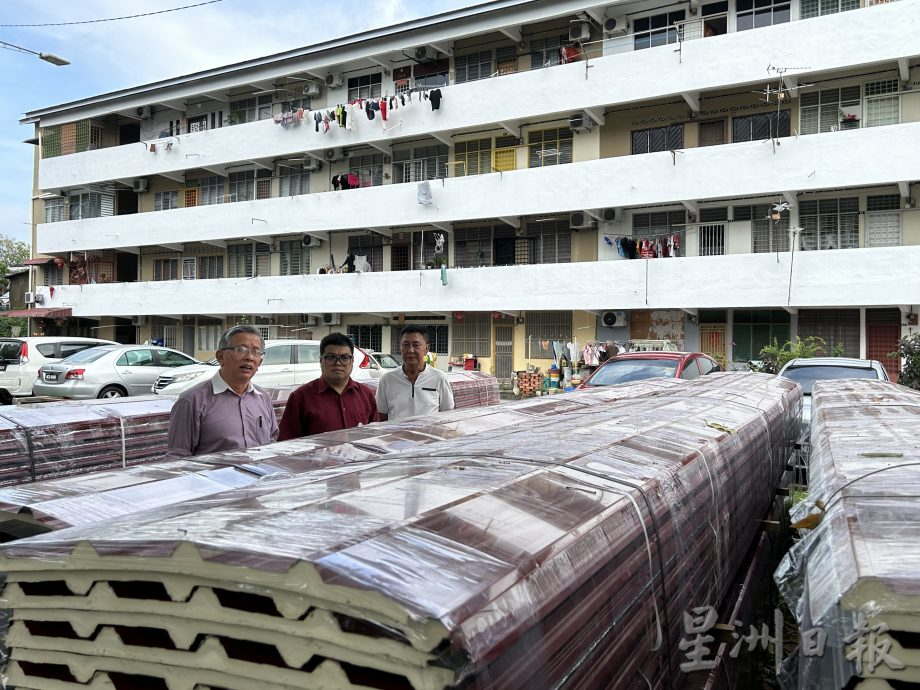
(563, 549)
(856, 575)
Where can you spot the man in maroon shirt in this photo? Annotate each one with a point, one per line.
(333, 401)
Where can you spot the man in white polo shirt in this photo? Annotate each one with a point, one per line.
(415, 388)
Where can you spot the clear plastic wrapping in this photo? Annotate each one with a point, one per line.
(859, 568)
(559, 541)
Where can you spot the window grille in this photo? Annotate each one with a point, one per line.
(829, 224)
(658, 223)
(761, 126)
(506, 60)
(546, 52)
(100, 266)
(56, 210)
(211, 190)
(657, 139)
(367, 337)
(819, 111)
(544, 326)
(163, 201)
(884, 202)
(248, 259)
(883, 104)
(54, 274)
(712, 239)
(472, 334)
(815, 8)
(190, 196)
(549, 147)
(547, 242)
(210, 267)
(368, 168)
(473, 67)
(473, 247)
(242, 185)
(168, 334)
(472, 157)
(657, 30)
(769, 235)
(421, 163)
(295, 258)
(437, 337)
(370, 246)
(85, 205)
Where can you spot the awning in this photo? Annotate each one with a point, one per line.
(38, 261)
(40, 312)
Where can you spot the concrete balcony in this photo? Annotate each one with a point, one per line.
(846, 277)
(879, 36)
(835, 160)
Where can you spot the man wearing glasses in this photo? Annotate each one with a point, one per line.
(416, 387)
(333, 401)
(227, 412)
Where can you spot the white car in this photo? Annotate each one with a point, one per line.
(285, 362)
(21, 358)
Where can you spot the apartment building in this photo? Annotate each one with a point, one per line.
(520, 171)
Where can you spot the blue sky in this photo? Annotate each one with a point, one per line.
(111, 55)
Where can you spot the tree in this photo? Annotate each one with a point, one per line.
(12, 253)
(774, 357)
(909, 350)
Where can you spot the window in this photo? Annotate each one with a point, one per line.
(54, 274)
(55, 210)
(658, 139)
(829, 224)
(136, 358)
(421, 163)
(545, 326)
(472, 334)
(293, 180)
(210, 267)
(369, 246)
(242, 185)
(472, 157)
(86, 205)
(190, 196)
(473, 67)
(173, 359)
(754, 330)
(163, 201)
(308, 354)
(506, 60)
(653, 226)
(365, 86)
(248, 259)
(753, 14)
(369, 169)
(369, 338)
(549, 147)
(209, 336)
(166, 269)
(295, 258)
(473, 247)
(547, 242)
(657, 30)
(545, 52)
(437, 338)
(251, 109)
(189, 264)
(883, 104)
(762, 126)
(211, 190)
(767, 235)
(278, 354)
(432, 80)
(820, 111)
(814, 8)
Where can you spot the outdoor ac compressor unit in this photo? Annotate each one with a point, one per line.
(614, 318)
(310, 241)
(332, 319)
(579, 219)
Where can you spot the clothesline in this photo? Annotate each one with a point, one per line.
(663, 246)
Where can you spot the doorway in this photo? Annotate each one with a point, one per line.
(504, 352)
(712, 133)
(504, 251)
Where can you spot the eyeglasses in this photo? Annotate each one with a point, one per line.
(337, 359)
(242, 350)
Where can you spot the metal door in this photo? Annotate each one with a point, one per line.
(504, 352)
(883, 330)
(713, 341)
(712, 239)
(188, 339)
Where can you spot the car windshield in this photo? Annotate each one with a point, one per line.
(386, 361)
(806, 376)
(88, 355)
(625, 370)
(9, 349)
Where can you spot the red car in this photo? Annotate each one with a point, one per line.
(635, 366)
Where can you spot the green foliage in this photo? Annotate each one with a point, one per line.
(774, 357)
(12, 253)
(909, 351)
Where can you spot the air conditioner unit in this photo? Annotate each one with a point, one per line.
(140, 185)
(312, 165)
(310, 241)
(579, 31)
(614, 318)
(38, 298)
(580, 122)
(425, 54)
(609, 214)
(616, 26)
(312, 89)
(138, 320)
(308, 319)
(332, 319)
(579, 219)
(334, 80)
(144, 112)
(30, 297)
(333, 154)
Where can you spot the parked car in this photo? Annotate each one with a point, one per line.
(385, 362)
(285, 362)
(21, 358)
(806, 370)
(108, 371)
(635, 366)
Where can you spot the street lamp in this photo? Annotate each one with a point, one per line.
(47, 57)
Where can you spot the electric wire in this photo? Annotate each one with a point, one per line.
(112, 19)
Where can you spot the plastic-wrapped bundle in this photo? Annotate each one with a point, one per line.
(859, 568)
(562, 548)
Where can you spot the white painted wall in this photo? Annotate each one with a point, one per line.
(864, 157)
(821, 44)
(846, 277)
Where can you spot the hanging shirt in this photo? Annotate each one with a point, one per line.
(435, 98)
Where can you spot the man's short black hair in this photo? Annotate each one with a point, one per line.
(413, 328)
(336, 338)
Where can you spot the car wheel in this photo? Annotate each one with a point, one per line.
(111, 392)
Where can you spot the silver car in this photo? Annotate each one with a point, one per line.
(108, 371)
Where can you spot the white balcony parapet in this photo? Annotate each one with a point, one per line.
(870, 36)
(807, 279)
(834, 160)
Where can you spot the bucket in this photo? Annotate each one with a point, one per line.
(469, 364)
